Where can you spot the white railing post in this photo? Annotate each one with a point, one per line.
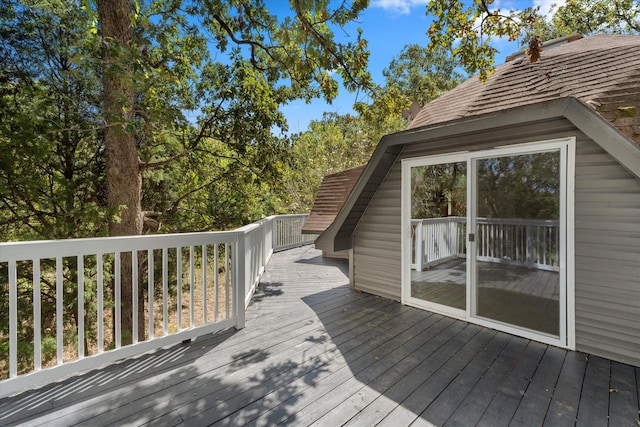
(13, 320)
(419, 246)
(134, 296)
(178, 289)
(165, 291)
(192, 286)
(238, 267)
(59, 312)
(37, 315)
(529, 257)
(100, 301)
(204, 284)
(150, 290)
(118, 300)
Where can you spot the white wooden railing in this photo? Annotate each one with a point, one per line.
(58, 291)
(288, 232)
(527, 242)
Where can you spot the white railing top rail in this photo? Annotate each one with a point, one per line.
(42, 249)
(482, 220)
(439, 219)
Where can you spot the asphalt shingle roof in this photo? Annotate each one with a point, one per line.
(602, 71)
(333, 191)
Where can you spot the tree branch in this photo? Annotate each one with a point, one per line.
(252, 43)
(635, 26)
(160, 163)
(311, 30)
(179, 200)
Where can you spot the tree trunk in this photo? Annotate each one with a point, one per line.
(124, 179)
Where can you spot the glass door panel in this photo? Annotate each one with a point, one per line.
(438, 234)
(517, 240)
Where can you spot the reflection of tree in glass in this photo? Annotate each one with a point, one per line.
(439, 190)
(523, 186)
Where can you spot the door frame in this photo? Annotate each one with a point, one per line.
(567, 241)
(406, 297)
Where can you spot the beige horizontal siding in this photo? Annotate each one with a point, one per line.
(607, 232)
(377, 241)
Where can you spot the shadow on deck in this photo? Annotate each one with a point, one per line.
(315, 351)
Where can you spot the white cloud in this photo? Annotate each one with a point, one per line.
(547, 5)
(402, 7)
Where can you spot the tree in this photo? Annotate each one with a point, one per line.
(52, 161)
(268, 63)
(416, 75)
(339, 142)
(583, 17)
(468, 30)
(335, 143)
(160, 112)
(421, 75)
(51, 165)
(438, 191)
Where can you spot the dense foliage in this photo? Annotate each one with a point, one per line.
(207, 79)
(123, 117)
(51, 164)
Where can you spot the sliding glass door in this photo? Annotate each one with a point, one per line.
(487, 238)
(517, 240)
(438, 236)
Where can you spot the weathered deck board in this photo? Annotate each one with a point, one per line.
(563, 408)
(315, 352)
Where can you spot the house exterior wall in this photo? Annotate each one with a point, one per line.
(376, 247)
(607, 262)
(607, 238)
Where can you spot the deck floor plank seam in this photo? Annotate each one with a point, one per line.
(428, 391)
(469, 411)
(594, 397)
(263, 389)
(348, 399)
(509, 394)
(194, 388)
(321, 404)
(303, 403)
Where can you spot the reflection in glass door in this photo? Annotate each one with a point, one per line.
(517, 241)
(438, 234)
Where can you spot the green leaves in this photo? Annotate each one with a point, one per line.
(469, 32)
(52, 163)
(209, 78)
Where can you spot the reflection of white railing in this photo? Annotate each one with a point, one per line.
(68, 293)
(527, 242)
(436, 240)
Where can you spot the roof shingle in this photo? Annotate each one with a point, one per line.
(333, 191)
(602, 71)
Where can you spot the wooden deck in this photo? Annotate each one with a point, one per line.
(316, 352)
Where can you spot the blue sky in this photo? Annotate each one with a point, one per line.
(389, 25)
